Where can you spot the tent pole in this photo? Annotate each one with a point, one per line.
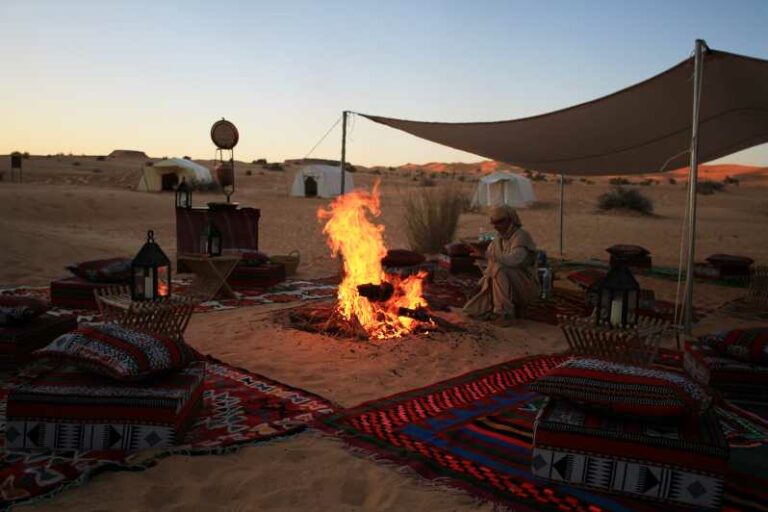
(692, 181)
(562, 196)
(343, 149)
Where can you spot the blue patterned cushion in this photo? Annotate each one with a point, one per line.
(118, 352)
(12, 316)
(112, 270)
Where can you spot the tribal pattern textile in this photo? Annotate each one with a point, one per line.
(624, 389)
(683, 462)
(748, 345)
(475, 432)
(16, 343)
(708, 366)
(238, 408)
(118, 352)
(66, 408)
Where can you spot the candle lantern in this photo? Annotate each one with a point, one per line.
(183, 195)
(225, 175)
(210, 240)
(618, 298)
(150, 272)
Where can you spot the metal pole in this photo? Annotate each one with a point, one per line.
(562, 196)
(343, 149)
(692, 181)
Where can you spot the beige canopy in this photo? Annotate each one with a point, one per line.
(642, 129)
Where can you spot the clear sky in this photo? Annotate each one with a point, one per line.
(91, 76)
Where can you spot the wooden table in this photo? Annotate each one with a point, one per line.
(211, 273)
(167, 316)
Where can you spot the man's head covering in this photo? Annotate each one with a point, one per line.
(505, 211)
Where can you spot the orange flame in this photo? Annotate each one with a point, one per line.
(162, 289)
(360, 243)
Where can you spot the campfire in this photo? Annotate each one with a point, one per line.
(370, 303)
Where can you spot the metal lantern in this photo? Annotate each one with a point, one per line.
(183, 195)
(150, 272)
(618, 298)
(210, 240)
(225, 175)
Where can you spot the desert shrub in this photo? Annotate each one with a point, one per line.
(625, 199)
(672, 181)
(248, 172)
(97, 171)
(707, 187)
(426, 181)
(76, 163)
(376, 171)
(538, 177)
(149, 163)
(618, 181)
(101, 158)
(461, 177)
(260, 161)
(730, 181)
(25, 155)
(185, 157)
(586, 181)
(432, 217)
(274, 167)
(646, 182)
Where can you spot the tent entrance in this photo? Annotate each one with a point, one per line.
(169, 181)
(310, 187)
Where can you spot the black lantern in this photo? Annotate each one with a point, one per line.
(150, 272)
(210, 240)
(618, 298)
(183, 195)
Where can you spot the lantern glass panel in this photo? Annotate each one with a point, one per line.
(204, 243)
(163, 281)
(604, 309)
(138, 283)
(632, 302)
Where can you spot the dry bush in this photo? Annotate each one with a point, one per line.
(625, 199)
(432, 217)
(706, 187)
(427, 181)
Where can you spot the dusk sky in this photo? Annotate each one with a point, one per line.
(92, 76)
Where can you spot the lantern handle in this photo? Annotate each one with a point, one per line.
(150, 236)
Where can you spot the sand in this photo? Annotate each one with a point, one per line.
(55, 220)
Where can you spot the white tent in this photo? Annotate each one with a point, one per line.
(504, 188)
(320, 181)
(166, 174)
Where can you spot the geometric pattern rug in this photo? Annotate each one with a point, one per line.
(292, 290)
(475, 433)
(239, 408)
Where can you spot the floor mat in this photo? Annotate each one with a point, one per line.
(434, 431)
(239, 408)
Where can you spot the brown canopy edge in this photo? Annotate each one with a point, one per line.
(644, 128)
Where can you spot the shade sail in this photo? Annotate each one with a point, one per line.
(644, 128)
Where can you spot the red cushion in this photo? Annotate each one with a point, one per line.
(111, 270)
(458, 249)
(748, 345)
(586, 278)
(624, 389)
(402, 258)
(720, 260)
(253, 258)
(628, 251)
(118, 352)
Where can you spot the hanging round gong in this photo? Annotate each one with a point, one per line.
(224, 134)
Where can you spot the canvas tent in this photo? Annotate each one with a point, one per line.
(504, 188)
(708, 106)
(320, 181)
(166, 174)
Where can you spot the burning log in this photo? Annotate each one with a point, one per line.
(376, 292)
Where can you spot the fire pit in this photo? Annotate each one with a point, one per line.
(370, 304)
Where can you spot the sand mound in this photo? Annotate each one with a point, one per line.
(127, 153)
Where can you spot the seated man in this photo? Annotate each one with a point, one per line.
(510, 281)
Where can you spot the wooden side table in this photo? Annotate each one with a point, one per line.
(211, 273)
(168, 316)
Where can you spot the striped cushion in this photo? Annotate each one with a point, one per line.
(747, 345)
(624, 389)
(118, 352)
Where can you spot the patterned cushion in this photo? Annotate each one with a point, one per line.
(118, 352)
(708, 366)
(112, 270)
(66, 408)
(15, 316)
(586, 278)
(75, 293)
(37, 306)
(402, 258)
(748, 345)
(623, 388)
(683, 462)
(729, 260)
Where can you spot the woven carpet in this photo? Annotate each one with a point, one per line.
(292, 290)
(455, 291)
(239, 408)
(474, 432)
